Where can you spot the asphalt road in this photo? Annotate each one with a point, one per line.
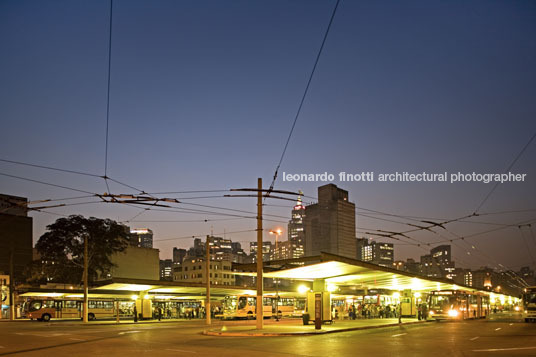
(501, 336)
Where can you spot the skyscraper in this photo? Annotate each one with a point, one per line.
(330, 224)
(178, 255)
(296, 233)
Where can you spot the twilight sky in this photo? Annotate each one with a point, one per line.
(203, 95)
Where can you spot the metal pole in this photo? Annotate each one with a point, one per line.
(117, 311)
(277, 282)
(207, 303)
(84, 316)
(11, 283)
(259, 316)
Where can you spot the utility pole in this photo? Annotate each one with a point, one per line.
(207, 303)
(259, 316)
(260, 194)
(11, 283)
(84, 317)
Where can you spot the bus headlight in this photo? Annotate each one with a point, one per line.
(431, 312)
(517, 308)
(453, 313)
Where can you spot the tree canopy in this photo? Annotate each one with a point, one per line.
(62, 248)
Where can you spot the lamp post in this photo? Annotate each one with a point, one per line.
(277, 233)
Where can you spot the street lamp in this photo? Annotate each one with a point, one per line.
(277, 232)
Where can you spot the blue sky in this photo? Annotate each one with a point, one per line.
(203, 94)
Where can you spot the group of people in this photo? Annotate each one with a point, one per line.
(367, 311)
(375, 311)
(184, 312)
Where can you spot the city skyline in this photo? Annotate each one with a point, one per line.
(203, 95)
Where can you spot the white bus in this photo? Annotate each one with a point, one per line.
(46, 309)
(457, 305)
(529, 304)
(244, 307)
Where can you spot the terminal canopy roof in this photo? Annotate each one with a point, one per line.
(347, 275)
(344, 276)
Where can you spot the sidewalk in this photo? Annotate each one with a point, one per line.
(293, 327)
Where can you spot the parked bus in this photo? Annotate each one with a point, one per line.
(457, 305)
(529, 304)
(244, 306)
(46, 309)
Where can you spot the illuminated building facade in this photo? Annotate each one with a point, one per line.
(141, 237)
(296, 232)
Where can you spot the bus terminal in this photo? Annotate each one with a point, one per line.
(339, 288)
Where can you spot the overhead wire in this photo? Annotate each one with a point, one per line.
(505, 171)
(108, 97)
(304, 96)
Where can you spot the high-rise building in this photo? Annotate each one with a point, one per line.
(15, 236)
(376, 252)
(141, 237)
(430, 267)
(178, 255)
(220, 248)
(166, 269)
(442, 254)
(266, 250)
(330, 224)
(296, 232)
(438, 263)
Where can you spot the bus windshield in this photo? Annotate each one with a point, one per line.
(530, 298)
(230, 303)
(442, 302)
(35, 305)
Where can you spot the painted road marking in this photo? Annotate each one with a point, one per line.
(511, 324)
(46, 334)
(498, 328)
(506, 349)
(474, 338)
(2, 347)
(122, 333)
(175, 350)
(400, 334)
(77, 339)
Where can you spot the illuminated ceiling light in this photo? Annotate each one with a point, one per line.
(331, 288)
(302, 289)
(134, 297)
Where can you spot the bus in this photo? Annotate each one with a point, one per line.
(244, 306)
(46, 309)
(529, 304)
(457, 305)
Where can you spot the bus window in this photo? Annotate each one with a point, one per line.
(252, 301)
(242, 302)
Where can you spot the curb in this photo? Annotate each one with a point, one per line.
(275, 334)
(98, 323)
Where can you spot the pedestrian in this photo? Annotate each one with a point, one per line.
(159, 313)
(419, 312)
(135, 314)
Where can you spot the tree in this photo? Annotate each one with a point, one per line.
(62, 247)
